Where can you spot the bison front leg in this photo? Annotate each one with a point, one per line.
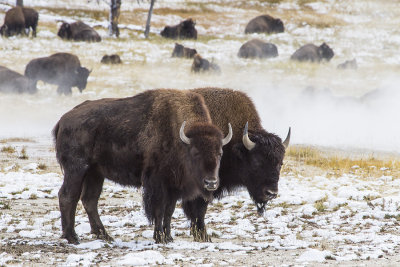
(169, 210)
(195, 210)
(66, 90)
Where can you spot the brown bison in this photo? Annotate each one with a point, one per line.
(181, 51)
(264, 23)
(18, 19)
(184, 30)
(13, 82)
(252, 159)
(62, 69)
(313, 53)
(162, 140)
(257, 48)
(111, 59)
(78, 31)
(203, 65)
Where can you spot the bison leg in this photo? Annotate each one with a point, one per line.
(92, 186)
(62, 89)
(195, 210)
(68, 199)
(169, 210)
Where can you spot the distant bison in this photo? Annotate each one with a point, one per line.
(348, 64)
(62, 69)
(257, 48)
(13, 21)
(184, 30)
(264, 24)
(13, 82)
(181, 51)
(203, 65)
(31, 19)
(78, 31)
(111, 59)
(161, 140)
(313, 53)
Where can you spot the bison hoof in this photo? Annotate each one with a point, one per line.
(200, 235)
(71, 238)
(104, 236)
(161, 238)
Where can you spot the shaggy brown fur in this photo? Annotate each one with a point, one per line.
(201, 64)
(14, 22)
(184, 30)
(313, 53)
(257, 48)
(264, 23)
(111, 59)
(13, 82)
(181, 51)
(78, 31)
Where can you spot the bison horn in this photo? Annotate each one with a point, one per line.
(246, 140)
(228, 137)
(182, 135)
(287, 140)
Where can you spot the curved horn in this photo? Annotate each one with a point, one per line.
(228, 137)
(287, 140)
(182, 135)
(246, 140)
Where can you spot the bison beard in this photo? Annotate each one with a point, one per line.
(137, 141)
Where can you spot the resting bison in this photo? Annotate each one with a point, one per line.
(18, 19)
(264, 23)
(78, 31)
(62, 69)
(181, 51)
(348, 64)
(111, 59)
(257, 48)
(313, 53)
(252, 159)
(184, 30)
(138, 141)
(13, 82)
(203, 65)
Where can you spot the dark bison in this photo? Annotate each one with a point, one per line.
(184, 30)
(252, 159)
(111, 59)
(18, 19)
(78, 31)
(203, 65)
(257, 48)
(313, 53)
(138, 141)
(181, 51)
(13, 82)
(62, 69)
(348, 64)
(264, 23)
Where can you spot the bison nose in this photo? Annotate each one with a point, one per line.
(211, 183)
(271, 194)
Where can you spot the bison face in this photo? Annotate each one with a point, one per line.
(325, 52)
(178, 50)
(65, 31)
(204, 145)
(278, 26)
(262, 159)
(82, 75)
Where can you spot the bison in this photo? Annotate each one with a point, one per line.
(111, 59)
(252, 159)
(62, 69)
(264, 23)
(162, 140)
(313, 53)
(78, 31)
(348, 64)
(181, 51)
(257, 48)
(184, 30)
(18, 19)
(13, 82)
(203, 65)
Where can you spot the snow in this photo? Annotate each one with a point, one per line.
(313, 255)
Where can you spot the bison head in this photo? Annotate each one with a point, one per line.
(263, 157)
(278, 26)
(325, 52)
(81, 77)
(65, 31)
(204, 143)
(178, 50)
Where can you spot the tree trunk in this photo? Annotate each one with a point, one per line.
(20, 3)
(147, 30)
(115, 7)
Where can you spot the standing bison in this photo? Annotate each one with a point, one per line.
(78, 31)
(252, 159)
(181, 51)
(257, 48)
(13, 82)
(264, 24)
(313, 53)
(17, 19)
(62, 69)
(162, 140)
(184, 30)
